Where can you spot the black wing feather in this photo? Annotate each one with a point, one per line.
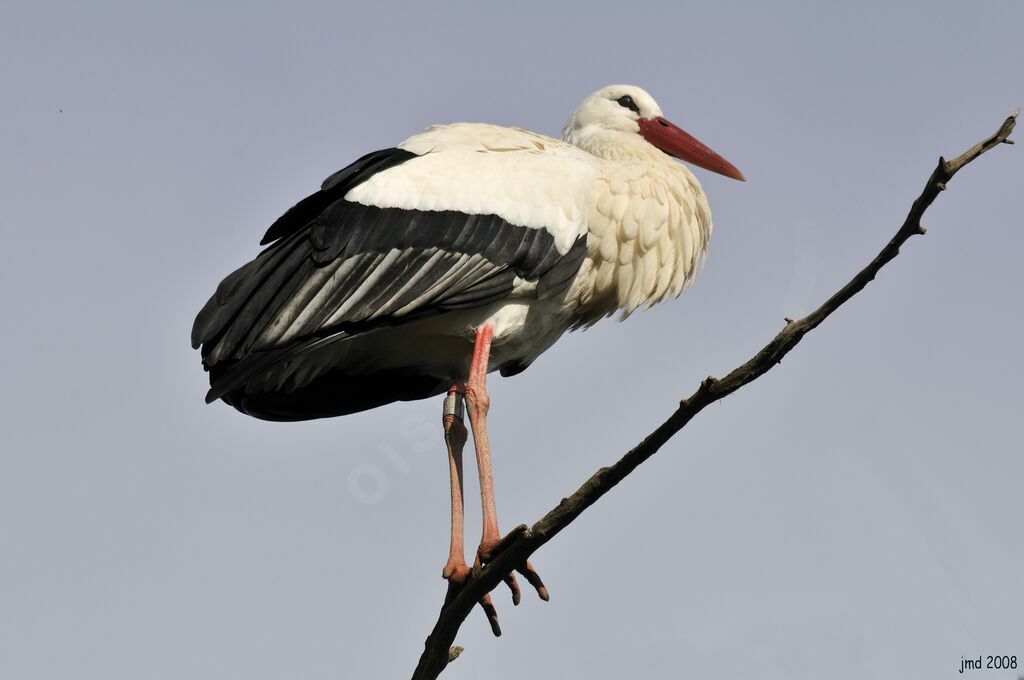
(333, 188)
(337, 269)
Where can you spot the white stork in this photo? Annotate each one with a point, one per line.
(469, 248)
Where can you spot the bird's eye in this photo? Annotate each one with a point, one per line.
(627, 101)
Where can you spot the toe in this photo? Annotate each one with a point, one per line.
(513, 585)
(492, 614)
(531, 575)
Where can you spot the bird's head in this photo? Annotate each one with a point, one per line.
(621, 122)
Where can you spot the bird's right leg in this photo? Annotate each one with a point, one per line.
(456, 569)
(478, 403)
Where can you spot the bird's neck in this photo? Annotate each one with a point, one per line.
(614, 145)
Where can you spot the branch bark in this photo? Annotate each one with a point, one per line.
(524, 541)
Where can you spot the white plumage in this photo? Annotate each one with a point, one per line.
(527, 179)
(646, 218)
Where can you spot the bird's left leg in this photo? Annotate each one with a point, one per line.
(479, 403)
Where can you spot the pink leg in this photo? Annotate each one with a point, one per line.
(479, 402)
(456, 569)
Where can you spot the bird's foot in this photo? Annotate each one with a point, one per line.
(455, 571)
(488, 551)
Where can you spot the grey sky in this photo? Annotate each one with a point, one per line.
(854, 514)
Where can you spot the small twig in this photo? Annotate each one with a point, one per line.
(437, 654)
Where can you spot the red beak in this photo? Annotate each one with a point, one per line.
(684, 146)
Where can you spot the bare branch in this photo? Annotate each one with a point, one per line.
(526, 540)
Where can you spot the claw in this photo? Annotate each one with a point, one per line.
(513, 585)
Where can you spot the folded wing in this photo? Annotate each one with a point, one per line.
(399, 235)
